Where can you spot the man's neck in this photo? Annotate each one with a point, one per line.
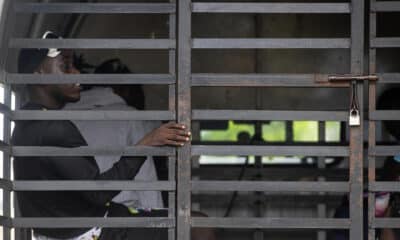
(44, 98)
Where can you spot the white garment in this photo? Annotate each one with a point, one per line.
(117, 134)
(92, 234)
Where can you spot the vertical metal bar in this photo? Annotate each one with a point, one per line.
(171, 106)
(171, 195)
(7, 23)
(371, 125)
(356, 133)
(321, 207)
(184, 116)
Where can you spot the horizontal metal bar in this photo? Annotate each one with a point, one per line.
(271, 223)
(385, 6)
(91, 151)
(388, 77)
(269, 115)
(385, 42)
(264, 80)
(271, 7)
(269, 150)
(384, 115)
(81, 222)
(117, 8)
(386, 223)
(384, 187)
(384, 151)
(13, 78)
(93, 43)
(5, 221)
(270, 43)
(91, 115)
(93, 185)
(272, 186)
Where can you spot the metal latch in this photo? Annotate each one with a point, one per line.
(354, 111)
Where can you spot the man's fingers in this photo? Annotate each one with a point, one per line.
(178, 138)
(173, 143)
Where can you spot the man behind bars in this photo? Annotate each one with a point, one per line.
(64, 134)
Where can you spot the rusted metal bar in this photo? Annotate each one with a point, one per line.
(183, 97)
(356, 133)
(352, 78)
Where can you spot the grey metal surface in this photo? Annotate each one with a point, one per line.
(275, 186)
(21, 151)
(266, 115)
(88, 115)
(270, 150)
(117, 222)
(263, 80)
(270, 43)
(92, 185)
(93, 43)
(15, 78)
(103, 8)
(385, 6)
(271, 223)
(270, 7)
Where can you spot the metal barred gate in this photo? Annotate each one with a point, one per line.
(180, 80)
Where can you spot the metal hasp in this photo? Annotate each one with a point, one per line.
(354, 109)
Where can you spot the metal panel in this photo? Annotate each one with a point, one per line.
(97, 185)
(271, 7)
(261, 115)
(276, 186)
(271, 223)
(111, 115)
(13, 78)
(270, 43)
(118, 8)
(21, 151)
(93, 43)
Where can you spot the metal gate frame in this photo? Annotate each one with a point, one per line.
(374, 151)
(180, 80)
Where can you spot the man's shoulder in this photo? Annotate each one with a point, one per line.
(48, 133)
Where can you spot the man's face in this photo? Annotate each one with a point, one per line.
(62, 64)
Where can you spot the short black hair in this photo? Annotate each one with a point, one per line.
(132, 94)
(390, 100)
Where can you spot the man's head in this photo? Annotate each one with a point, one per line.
(390, 100)
(132, 94)
(50, 61)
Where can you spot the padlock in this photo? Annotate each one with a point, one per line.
(354, 117)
